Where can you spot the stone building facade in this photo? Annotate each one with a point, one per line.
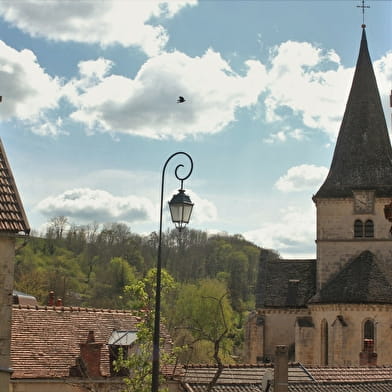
(13, 222)
(337, 309)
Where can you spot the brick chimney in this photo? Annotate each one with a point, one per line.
(281, 369)
(51, 298)
(90, 353)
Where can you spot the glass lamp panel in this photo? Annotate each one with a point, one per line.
(180, 208)
(186, 212)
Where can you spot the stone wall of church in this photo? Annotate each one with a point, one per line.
(269, 328)
(345, 340)
(336, 244)
(254, 338)
(304, 338)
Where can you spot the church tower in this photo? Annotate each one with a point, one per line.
(337, 310)
(350, 203)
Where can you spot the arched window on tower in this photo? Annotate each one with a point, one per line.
(324, 342)
(369, 228)
(358, 228)
(368, 336)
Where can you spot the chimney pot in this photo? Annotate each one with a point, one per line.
(51, 298)
(90, 337)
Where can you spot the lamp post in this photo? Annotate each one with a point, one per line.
(180, 209)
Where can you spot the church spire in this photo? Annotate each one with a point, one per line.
(363, 153)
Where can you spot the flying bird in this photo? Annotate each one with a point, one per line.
(180, 99)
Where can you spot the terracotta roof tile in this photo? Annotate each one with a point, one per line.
(45, 340)
(351, 374)
(342, 387)
(248, 378)
(12, 215)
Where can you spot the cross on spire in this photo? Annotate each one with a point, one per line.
(363, 6)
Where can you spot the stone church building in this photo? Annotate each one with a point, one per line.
(337, 310)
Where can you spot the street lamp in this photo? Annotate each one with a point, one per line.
(180, 209)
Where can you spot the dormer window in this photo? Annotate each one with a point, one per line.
(120, 344)
(292, 292)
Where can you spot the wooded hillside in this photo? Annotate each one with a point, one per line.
(93, 266)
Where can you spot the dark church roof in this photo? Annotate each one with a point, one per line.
(362, 280)
(363, 153)
(285, 283)
(12, 215)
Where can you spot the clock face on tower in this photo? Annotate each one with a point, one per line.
(363, 202)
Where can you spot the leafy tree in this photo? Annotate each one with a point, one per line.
(109, 283)
(204, 313)
(141, 295)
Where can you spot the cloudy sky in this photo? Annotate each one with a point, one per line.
(89, 113)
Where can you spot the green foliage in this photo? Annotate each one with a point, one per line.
(92, 265)
(203, 317)
(138, 361)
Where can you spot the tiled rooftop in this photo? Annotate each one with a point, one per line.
(342, 387)
(248, 378)
(225, 388)
(45, 340)
(12, 215)
(351, 374)
(239, 374)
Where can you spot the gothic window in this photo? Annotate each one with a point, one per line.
(324, 342)
(358, 228)
(369, 228)
(368, 336)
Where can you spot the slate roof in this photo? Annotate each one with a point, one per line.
(285, 283)
(362, 280)
(45, 340)
(12, 216)
(363, 153)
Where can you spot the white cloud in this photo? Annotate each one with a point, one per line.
(28, 91)
(87, 205)
(146, 105)
(284, 134)
(95, 68)
(292, 233)
(302, 178)
(383, 71)
(310, 82)
(301, 80)
(103, 22)
(203, 210)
